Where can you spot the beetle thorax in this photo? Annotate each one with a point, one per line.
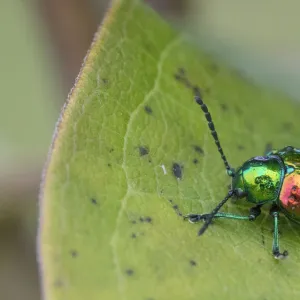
(259, 179)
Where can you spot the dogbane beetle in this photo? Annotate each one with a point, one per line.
(273, 178)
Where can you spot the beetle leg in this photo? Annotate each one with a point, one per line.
(253, 214)
(275, 249)
(194, 218)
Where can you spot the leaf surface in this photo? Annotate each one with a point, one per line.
(132, 151)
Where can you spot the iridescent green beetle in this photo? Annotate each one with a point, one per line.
(273, 178)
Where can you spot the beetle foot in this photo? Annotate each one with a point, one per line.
(194, 218)
(279, 255)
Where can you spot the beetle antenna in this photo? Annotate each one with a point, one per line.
(214, 212)
(213, 132)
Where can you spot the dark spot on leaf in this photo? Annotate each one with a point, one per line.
(181, 71)
(214, 67)
(150, 161)
(224, 107)
(109, 165)
(177, 76)
(177, 170)
(111, 150)
(133, 235)
(104, 80)
(146, 219)
(187, 83)
(129, 272)
(148, 110)
(94, 201)
(240, 147)
(193, 263)
(180, 74)
(195, 161)
(74, 253)
(133, 221)
(287, 126)
(198, 149)
(143, 150)
(58, 283)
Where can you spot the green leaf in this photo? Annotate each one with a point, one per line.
(110, 227)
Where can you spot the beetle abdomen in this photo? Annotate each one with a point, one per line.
(289, 198)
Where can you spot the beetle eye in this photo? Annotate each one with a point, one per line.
(240, 193)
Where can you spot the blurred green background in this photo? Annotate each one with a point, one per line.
(43, 43)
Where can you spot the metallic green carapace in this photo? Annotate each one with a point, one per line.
(260, 179)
